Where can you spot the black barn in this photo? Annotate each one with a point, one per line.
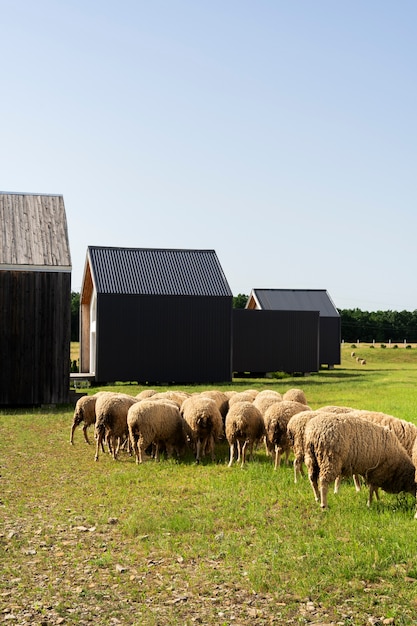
(35, 300)
(305, 300)
(155, 316)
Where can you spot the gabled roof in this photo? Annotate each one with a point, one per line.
(293, 300)
(148, 271)
(33, 233)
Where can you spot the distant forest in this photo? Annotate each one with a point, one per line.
(378, 326)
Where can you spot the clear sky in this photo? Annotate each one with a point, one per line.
(282, 134)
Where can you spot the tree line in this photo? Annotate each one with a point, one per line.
(365, 326)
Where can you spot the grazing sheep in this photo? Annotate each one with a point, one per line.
(145, 393)
(276, 420)
(159, 424)
(353, 354)
(111, 420)
(264, 399)
(406, 432)
(175, 396)
(85, 411)
(297, 395)
(296, 436)
(343, 445)
(337, 410)
(205, 422)
(244, 428)
(363, 361)
(220, 399)
(248, 395)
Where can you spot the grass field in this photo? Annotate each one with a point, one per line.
(174, 543)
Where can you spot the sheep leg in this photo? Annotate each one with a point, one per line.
(372, 490)
(312, 476)
(239, 451)
(277, 457)
(74, 426)
(323, 494)
(85, 433)
(337, 484)
(134, 444)
(98, 444)
(357, 482)
(244, 447)
(198, 451)
(232, 454)
(157, 451)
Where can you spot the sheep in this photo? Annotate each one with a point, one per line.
(353, 354)
(175, 396)
(295, 432)
(244, 428)
(296, 437)
(85, 411)
(363, 361)
(343, 445)
(297, 395)
(220, 398)
(276, 419)
(205, 423)
(158, 423)
(145, 393)
(111, 420)
(264, 399)
(406, 432)
(243, 396)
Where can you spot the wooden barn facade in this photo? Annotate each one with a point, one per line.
(155, 316)
(318, 300)
(35, 300)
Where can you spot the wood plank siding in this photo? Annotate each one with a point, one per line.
(35, 300)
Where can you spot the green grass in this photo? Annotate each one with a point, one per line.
(175, 543)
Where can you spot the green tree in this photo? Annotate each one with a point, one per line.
(239, 301)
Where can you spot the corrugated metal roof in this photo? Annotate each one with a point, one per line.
(146, 271)
(295, 300)
(33, 232)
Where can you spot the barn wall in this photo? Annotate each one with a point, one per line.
(330, 340)
(172, 339)
(275, 341)
(35, 333)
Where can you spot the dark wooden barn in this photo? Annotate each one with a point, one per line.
(35, 300)
(275, 341)
(306, 300)
(155, 316)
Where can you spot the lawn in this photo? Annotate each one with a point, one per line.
(166, 543)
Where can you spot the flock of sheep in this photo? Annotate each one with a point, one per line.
(333, 441)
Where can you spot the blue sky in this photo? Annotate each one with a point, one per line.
(283, 135)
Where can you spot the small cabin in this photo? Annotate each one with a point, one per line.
(318, 300)
(35, 300)
(155, 316)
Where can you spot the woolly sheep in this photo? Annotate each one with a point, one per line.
(248, 395)
(276, 420)
(264, 399)
(244, 427)
(85, 411)
(220, 399)
(145, 393)
(111, 420)
(297, 395)
(205, 423)
(158, 423)
(406, 432)
(343, 445)
(175, 396)
(296, 437)
(295, 432)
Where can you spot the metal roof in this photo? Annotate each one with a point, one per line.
(33, 233)
(295, 300)
(146, 271)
